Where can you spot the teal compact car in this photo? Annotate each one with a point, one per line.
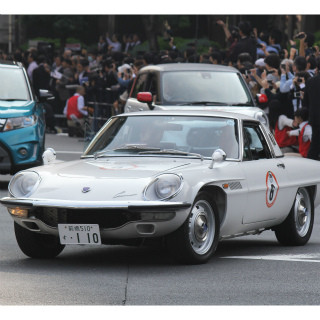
(22, 120)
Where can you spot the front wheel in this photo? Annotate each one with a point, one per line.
(36, 245)
(297, 228)
(197, 239)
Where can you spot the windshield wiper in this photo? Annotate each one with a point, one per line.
(13, 99)
(206, 103)
(130, 147)
(241, 104)
(174, 152)
(137, 147)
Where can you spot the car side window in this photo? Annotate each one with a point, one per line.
(151, 86)
(255, 145)
(140, 85)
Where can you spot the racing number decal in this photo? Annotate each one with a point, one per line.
(272, 189)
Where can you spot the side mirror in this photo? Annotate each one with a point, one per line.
(218, 156)
(49, 156)
(145, 97)
(261, 98)
(45, 95)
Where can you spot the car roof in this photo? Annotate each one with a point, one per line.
(194, 113)
(188, 67)
(10, 64)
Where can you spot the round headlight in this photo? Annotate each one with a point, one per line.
(23, 184)
(164, 187)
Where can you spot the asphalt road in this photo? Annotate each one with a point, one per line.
(253, 270)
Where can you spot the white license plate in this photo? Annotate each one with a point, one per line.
(79, 234)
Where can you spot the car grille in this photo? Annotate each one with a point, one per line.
(105, 218)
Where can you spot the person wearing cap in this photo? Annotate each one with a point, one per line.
(260, 66)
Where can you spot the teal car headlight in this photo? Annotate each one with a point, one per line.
(20, 122)
(23, 184)
(164, 187)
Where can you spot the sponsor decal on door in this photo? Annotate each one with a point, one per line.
(272, 189)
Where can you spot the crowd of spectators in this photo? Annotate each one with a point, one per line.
(270, 65)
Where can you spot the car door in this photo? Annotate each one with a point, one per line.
(267, 178)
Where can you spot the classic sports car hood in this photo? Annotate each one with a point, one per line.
(16, 108)
(107, 179)
(119, 167)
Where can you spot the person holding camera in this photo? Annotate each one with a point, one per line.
(306, 41)
(297, 89)
(286, 78)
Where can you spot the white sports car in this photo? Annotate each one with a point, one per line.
(189, 178)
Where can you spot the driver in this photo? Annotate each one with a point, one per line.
(151, 134)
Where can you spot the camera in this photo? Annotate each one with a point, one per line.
(259, 45)
(297, 94)
(300, 36)
(299, 80)
(271, 71)
(247, 72)
(283, 66)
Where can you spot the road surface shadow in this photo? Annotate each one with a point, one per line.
(111, 258)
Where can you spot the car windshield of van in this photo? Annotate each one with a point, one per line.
(13, 85)
(204, 88)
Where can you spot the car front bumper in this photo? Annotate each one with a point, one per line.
(116, 220)
(20, 149)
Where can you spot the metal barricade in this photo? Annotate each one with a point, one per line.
(102, 112)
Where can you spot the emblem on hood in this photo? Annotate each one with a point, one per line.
(86, 189)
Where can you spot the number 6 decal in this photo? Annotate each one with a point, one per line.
(272, 189)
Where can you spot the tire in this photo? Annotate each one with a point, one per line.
(297, 228)
(36, 245)
(197, 239)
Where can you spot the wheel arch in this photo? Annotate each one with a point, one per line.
(312, 191)
(219, 197)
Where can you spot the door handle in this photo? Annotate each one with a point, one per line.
(281, 165)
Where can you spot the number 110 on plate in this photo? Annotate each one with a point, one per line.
(79, 234)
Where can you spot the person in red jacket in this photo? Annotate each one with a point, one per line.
(304, 133)
(286, 142)
(76, 111)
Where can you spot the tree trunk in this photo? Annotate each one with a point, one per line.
(150, 24)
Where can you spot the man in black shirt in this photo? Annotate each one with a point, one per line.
(246, 43)
(312, 102)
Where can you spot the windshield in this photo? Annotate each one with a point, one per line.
(13, 85)
(174, 135)
(204, 87)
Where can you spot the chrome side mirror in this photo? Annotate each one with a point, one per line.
(49, 156)
(218, 156)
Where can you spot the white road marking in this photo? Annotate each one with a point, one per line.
(69, 152)
(281, 257)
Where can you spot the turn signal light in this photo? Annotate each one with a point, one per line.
(18, 212)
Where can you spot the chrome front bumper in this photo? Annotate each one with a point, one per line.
(25, 215)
